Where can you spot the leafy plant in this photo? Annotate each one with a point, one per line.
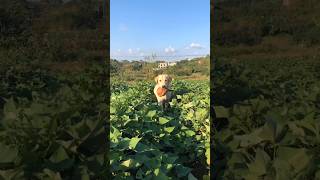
(148, 143)
(273, 131)
(52, 127)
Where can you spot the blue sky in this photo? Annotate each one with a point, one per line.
(165, 27)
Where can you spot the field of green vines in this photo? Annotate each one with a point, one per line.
(148, 143)
(52, 125)
(267, 123)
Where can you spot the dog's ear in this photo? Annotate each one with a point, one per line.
(156, 79)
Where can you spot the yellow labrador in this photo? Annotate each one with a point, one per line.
(163, 81)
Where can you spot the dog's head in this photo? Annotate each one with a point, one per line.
(163, 80)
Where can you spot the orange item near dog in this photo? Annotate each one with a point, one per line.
(161, 91)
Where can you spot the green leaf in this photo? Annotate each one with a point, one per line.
(153, 163)
(169, 129)
(163, 120)
(128, 163)
(36, 109)
(133, 142)
(205, 177)
(221, 112)
(182, 170)
(139, 174)
(170, 159)
(267, 133)
(85, 175)
(123, 144)
(112, 110)
(8, 154)
(52, 174)
(151, 113)
(249, 139)
(283, 169)
(12, 174)
(190, 133)
(296, 157)
(295, 129)
(201, 114)
(169, 166)
(259, 166)
(59, 155)
(10, 110)
(156, 171)
(160, 176)
(191, 177)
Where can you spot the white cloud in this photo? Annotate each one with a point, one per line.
(128, 53)
(194, 46)
(169, 50)
(123, 27)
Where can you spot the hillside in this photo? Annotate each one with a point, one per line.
(197, 68)
(249, 28)
(53, 83)
(266, 89)
(60, 36)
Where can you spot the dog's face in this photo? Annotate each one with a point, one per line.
(163, 80)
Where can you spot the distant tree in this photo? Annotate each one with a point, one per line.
(136, 66)
(114, 66)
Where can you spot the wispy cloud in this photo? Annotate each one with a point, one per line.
(127, 52)
(194, 46)
(169, 50)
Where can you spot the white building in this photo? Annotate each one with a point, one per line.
(163, 65)
(172, 63)
(166, 64)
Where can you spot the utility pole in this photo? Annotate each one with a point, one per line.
(151, 58)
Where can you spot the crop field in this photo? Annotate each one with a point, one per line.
(148, 143)
(267, 123)
(51, 125)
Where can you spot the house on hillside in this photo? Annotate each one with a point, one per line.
(166, 64)
(172, 63)
(162, 65)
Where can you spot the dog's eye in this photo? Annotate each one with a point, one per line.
(160, 80)
(166, 80)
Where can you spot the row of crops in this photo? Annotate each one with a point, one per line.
(148, 143)
(52, 125)
(267, 123)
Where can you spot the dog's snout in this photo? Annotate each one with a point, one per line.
(163, 86)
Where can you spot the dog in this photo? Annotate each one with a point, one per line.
(164, 94)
